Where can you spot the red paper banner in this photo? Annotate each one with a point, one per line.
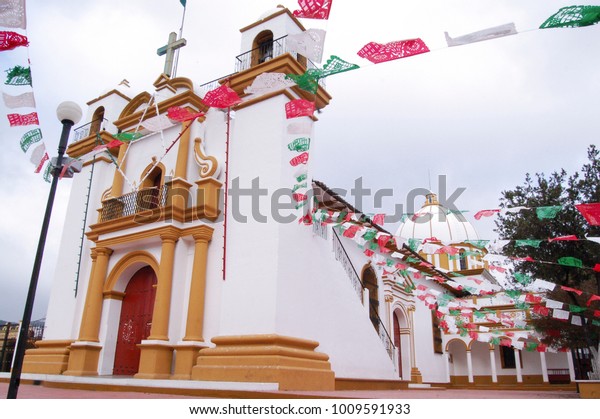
(16, 119)
(299, 107)
(591, 212)
(313, 9)
(111, 144)
(222, 97)
(11, 40)
(298, 160)
(563, 238)
(179, 114)
(379, 53)
(486, 213)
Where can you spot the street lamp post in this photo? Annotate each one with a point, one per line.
(68, 113)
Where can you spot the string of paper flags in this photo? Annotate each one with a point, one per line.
(13, 16)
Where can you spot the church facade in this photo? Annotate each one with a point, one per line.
(184, 272)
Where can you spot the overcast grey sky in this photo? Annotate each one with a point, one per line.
(483, 114)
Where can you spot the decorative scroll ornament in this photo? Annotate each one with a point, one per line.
(11, 40)
(267, 83)
(299, 107)
(18, 76)
(313, 9)
(30, 137)
(572, 17)
(222, 97)
(379, 53)
(209, 166)
(25, 100)
(309, 43)
(482, 35)
(16, 119)
(12, 14)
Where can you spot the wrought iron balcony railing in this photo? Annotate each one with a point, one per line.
(259, 55)
(133, 203)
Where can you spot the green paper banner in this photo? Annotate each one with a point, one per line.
(532, 243)
(547, 212)
(18, 76)
(571, 261)
(300, 144)
(573, 17)
(29, 138)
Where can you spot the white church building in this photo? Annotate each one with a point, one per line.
(177, 280)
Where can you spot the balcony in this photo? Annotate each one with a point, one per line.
(259, 55)
(134, 203)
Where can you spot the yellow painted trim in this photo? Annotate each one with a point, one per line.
(290, 362)
(107, 94)
(446, 349)
(128, 120)
(92, 310)
(86, 145)
(162, 303)
(49, 357)
(282, 64)
(125, 262)
(97, 159)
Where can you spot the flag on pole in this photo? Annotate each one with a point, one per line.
(183, 2)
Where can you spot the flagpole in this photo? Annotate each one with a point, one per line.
(180, 36)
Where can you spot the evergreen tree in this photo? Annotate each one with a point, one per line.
(565, 191)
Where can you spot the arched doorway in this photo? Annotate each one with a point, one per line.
(369, 280)
(135, 320)
(262, 49)
(402, 343)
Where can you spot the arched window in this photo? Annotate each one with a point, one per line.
(262, 48)
(97, 119)
(369, 280)
(151, 187)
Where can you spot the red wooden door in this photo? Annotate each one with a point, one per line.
(397, 343)
(136, 319)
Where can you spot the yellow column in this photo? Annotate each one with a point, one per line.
(84, 354)
(195, 316)
(90, 321)
(162, 304)
(183, 151)
(117, 186)
(415, 374)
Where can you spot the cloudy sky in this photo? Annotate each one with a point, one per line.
(482, 115)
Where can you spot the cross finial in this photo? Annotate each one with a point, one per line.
(169, 50)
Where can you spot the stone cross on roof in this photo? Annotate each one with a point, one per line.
(169, 50)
